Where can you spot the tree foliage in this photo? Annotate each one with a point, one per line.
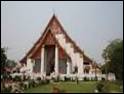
(5, 62)
(3, 59)
(11, 63)
(113, 55)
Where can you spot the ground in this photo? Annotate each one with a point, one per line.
(72, 87)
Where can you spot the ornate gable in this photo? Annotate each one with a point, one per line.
(48, 38)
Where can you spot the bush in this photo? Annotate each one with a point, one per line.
(72, 79)
(21, 84)
(86, 79)
(100, 86)
(67, 79)
(32, 83)
(55, 79)
(96, 78)
(42, 82)
(92, 79)
(17, 78)
(46, 81)
(7, 90)
(103, 79)
(38, 79)
(24, 78)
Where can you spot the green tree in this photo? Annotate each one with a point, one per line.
(11, 63)
(3, 60)
(113, 55)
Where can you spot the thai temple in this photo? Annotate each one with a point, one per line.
(56, 54)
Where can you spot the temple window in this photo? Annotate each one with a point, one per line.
(37, 65)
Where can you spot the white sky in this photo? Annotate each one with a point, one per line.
(92, 25)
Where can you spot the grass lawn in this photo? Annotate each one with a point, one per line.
(72, 87)
(68, 87)
(113, 87)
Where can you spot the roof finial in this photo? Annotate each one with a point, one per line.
(53, 11)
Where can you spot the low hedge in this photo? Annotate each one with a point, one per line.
(100, 86)
(86, 79)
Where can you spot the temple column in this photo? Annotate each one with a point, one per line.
(29, 65)
(56, 60)
(42, 60)
(80, 69)
(68, 68)
(90, 71)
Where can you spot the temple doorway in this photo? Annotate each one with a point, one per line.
(49, 59)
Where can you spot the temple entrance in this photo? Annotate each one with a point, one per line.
(49, 59)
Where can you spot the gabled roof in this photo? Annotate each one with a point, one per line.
(39, 42)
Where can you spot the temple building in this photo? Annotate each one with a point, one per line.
(56, 53)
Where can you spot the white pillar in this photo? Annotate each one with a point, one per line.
(56, 60)
(90, 71)
(80, 69)
(42, 60)
(29, 65)
(68, 68)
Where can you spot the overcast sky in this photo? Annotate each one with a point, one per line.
(92, 25)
